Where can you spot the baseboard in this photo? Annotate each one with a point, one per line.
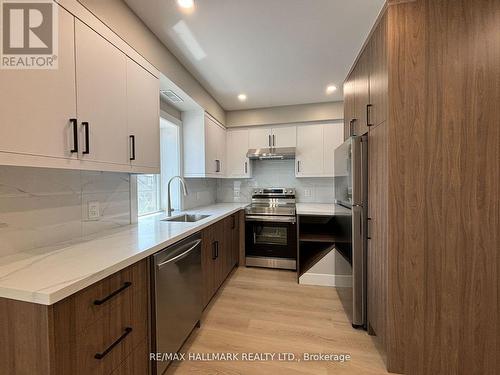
(341, 281)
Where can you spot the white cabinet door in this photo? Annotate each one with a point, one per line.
(211, 144)
(259, 137)
(221, 151)
(309, 157)
(284, 136)
(101, 74)
(36, 105)
(238, 165)
(143, 119)
(333, 136)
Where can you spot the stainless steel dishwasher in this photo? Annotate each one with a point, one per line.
(176, 296)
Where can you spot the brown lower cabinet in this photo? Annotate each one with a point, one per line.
(220, 253)
(95, 331)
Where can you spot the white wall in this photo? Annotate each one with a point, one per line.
(286, 114)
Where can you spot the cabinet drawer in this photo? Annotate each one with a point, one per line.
(137, 363)
(103, 345)
(118, 291)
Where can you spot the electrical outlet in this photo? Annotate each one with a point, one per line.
(93, 210)
(236, 193)
(308, 193)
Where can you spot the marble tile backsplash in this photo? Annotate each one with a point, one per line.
(280, 173)
(201, 192)
(43, 207)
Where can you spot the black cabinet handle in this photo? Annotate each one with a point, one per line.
(99, 302)
(75, 135)
(103, 354)
(246, 167)
(233, 226)
(214, 251)
(274, 140)
(298, 166)
(351, 127)
(270, 140)
(85, 125)
(132, 147)
(368, 220)
(368, 111)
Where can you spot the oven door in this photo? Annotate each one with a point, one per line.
(271, 236)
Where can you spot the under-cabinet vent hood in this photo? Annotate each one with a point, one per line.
(172, 96)
(279, 153)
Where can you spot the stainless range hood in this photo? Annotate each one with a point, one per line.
(278, 153)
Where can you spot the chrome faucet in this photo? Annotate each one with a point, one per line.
(184, 191)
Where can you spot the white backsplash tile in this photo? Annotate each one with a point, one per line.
(43, 207)
(278, 173)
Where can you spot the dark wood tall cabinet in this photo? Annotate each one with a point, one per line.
(434, 149)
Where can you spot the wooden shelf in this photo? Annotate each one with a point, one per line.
(317, 237)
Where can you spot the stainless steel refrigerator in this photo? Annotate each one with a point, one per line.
(351, 191)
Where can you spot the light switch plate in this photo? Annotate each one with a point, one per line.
(308, 193)
(93, 210)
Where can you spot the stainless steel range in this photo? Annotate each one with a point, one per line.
(271, 229)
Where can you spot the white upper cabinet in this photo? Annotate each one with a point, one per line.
(143, 103)
(81, 115)
(309, 154)
(259, 137)
(284, 136)
(315, 149)
(36, 105)
(204, 145)
(238, 165)
(101, 75)
(279, 136)
(333, 137)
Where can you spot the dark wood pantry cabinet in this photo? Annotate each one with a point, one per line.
(426, 88)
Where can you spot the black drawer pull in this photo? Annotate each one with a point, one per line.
(110, 348)
(101, 301)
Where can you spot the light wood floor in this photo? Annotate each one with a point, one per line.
(259, 310)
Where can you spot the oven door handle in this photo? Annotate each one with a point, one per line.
(280, 219)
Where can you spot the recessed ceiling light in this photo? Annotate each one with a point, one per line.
(242, 97)
(186, 3)
(330, 89)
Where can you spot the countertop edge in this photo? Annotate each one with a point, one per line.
(86, 281)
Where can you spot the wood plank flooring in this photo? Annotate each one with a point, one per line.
(260, 310)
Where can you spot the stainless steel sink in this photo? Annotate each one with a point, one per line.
(187, 218)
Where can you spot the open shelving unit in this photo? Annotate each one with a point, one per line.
(318, 235)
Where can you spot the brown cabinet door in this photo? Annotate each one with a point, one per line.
(378, 74)
(377, 228)
(208, 263)
(361, 92)
(235, 239)
(348, 104)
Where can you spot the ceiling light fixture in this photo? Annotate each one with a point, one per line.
(330, 89)
(242, 97)
(186, 4)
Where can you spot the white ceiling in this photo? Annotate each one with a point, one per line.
(277, 52)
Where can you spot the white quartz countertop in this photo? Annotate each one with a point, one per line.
(321, 209)
(46, 276)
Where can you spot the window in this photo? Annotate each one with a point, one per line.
(152, 188)
(170, 162)
(148, 194)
